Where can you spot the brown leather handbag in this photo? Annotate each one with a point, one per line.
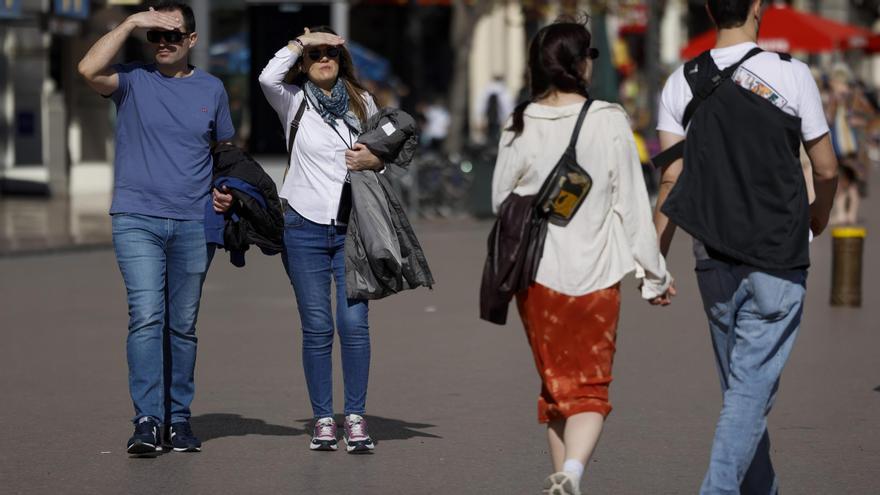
(515, 245)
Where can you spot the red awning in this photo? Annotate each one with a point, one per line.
(784, 29)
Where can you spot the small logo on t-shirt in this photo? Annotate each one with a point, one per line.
(204, 109)
(748, 80)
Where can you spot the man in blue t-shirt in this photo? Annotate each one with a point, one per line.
(169, 114)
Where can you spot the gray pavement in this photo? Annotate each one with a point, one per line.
(452, 399)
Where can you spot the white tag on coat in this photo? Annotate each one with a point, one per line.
(388, 128)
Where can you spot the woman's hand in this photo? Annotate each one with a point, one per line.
(320, 39)
(222, 200)
(361, 158)
(665, 299)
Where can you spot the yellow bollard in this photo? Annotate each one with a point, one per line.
(846, 266)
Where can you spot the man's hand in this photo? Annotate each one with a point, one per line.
(222, 200)
(95, 65)
(361, 158)
(665, 299)
(153, 19)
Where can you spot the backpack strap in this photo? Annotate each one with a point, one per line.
(666, 157)
(291, 136)
(704, 77)
(711, 83)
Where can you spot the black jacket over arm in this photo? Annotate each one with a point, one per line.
(255, 224)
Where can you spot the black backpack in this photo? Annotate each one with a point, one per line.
(741, 191)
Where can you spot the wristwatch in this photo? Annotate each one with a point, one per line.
(300, 43)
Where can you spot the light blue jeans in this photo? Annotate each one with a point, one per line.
(314, 254)
(163, 264)
(754, 318)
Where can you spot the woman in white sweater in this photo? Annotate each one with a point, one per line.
(570, 313)
(315, 217)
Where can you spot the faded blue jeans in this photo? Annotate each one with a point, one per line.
(313, 255)
(754, 318)
(163, 263)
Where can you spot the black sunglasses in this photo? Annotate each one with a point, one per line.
(168, 36)
(318, 53)
(592, 53)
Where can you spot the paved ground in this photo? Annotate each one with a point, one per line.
(452, 399)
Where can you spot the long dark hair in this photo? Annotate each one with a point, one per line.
(557, 55)
(355, 89)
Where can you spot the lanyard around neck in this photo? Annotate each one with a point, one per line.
(348, 143)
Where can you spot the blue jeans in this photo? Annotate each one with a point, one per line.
(754, 318)
(313, 255)
(163, 264)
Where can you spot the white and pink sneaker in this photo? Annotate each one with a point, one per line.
(324, 436)
(357, 440)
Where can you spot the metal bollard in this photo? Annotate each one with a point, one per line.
(846, 266)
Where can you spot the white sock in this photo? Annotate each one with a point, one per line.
(575, 468)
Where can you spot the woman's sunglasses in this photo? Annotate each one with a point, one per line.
(316, 54)
(168, 36)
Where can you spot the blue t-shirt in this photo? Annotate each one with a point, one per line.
(164, 130)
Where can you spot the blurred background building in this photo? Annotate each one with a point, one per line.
(456, 64)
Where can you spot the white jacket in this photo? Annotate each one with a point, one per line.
(612, 233)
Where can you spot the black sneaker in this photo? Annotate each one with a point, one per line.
(182, 438)
(145, 440)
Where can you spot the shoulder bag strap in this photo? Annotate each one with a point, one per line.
(291, 136)
(580, 123)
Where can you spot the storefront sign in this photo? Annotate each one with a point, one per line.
(10, 9)
(78, 9)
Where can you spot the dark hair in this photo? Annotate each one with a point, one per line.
(189, 18)
(557, 55)
(354, 87)
(729, 14)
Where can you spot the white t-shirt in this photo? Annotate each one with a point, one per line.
(788, 85)
(437, 122)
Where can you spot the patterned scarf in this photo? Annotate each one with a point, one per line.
(334, 106)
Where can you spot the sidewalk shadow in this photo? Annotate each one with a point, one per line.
(220, 425)
(386, 428)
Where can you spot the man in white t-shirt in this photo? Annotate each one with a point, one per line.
(738, 204)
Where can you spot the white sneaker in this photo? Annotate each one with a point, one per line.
(560, 483)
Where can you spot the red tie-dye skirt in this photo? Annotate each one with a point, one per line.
(573, 342)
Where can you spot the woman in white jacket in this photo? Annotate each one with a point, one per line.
(570, 313)
(324, 150)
